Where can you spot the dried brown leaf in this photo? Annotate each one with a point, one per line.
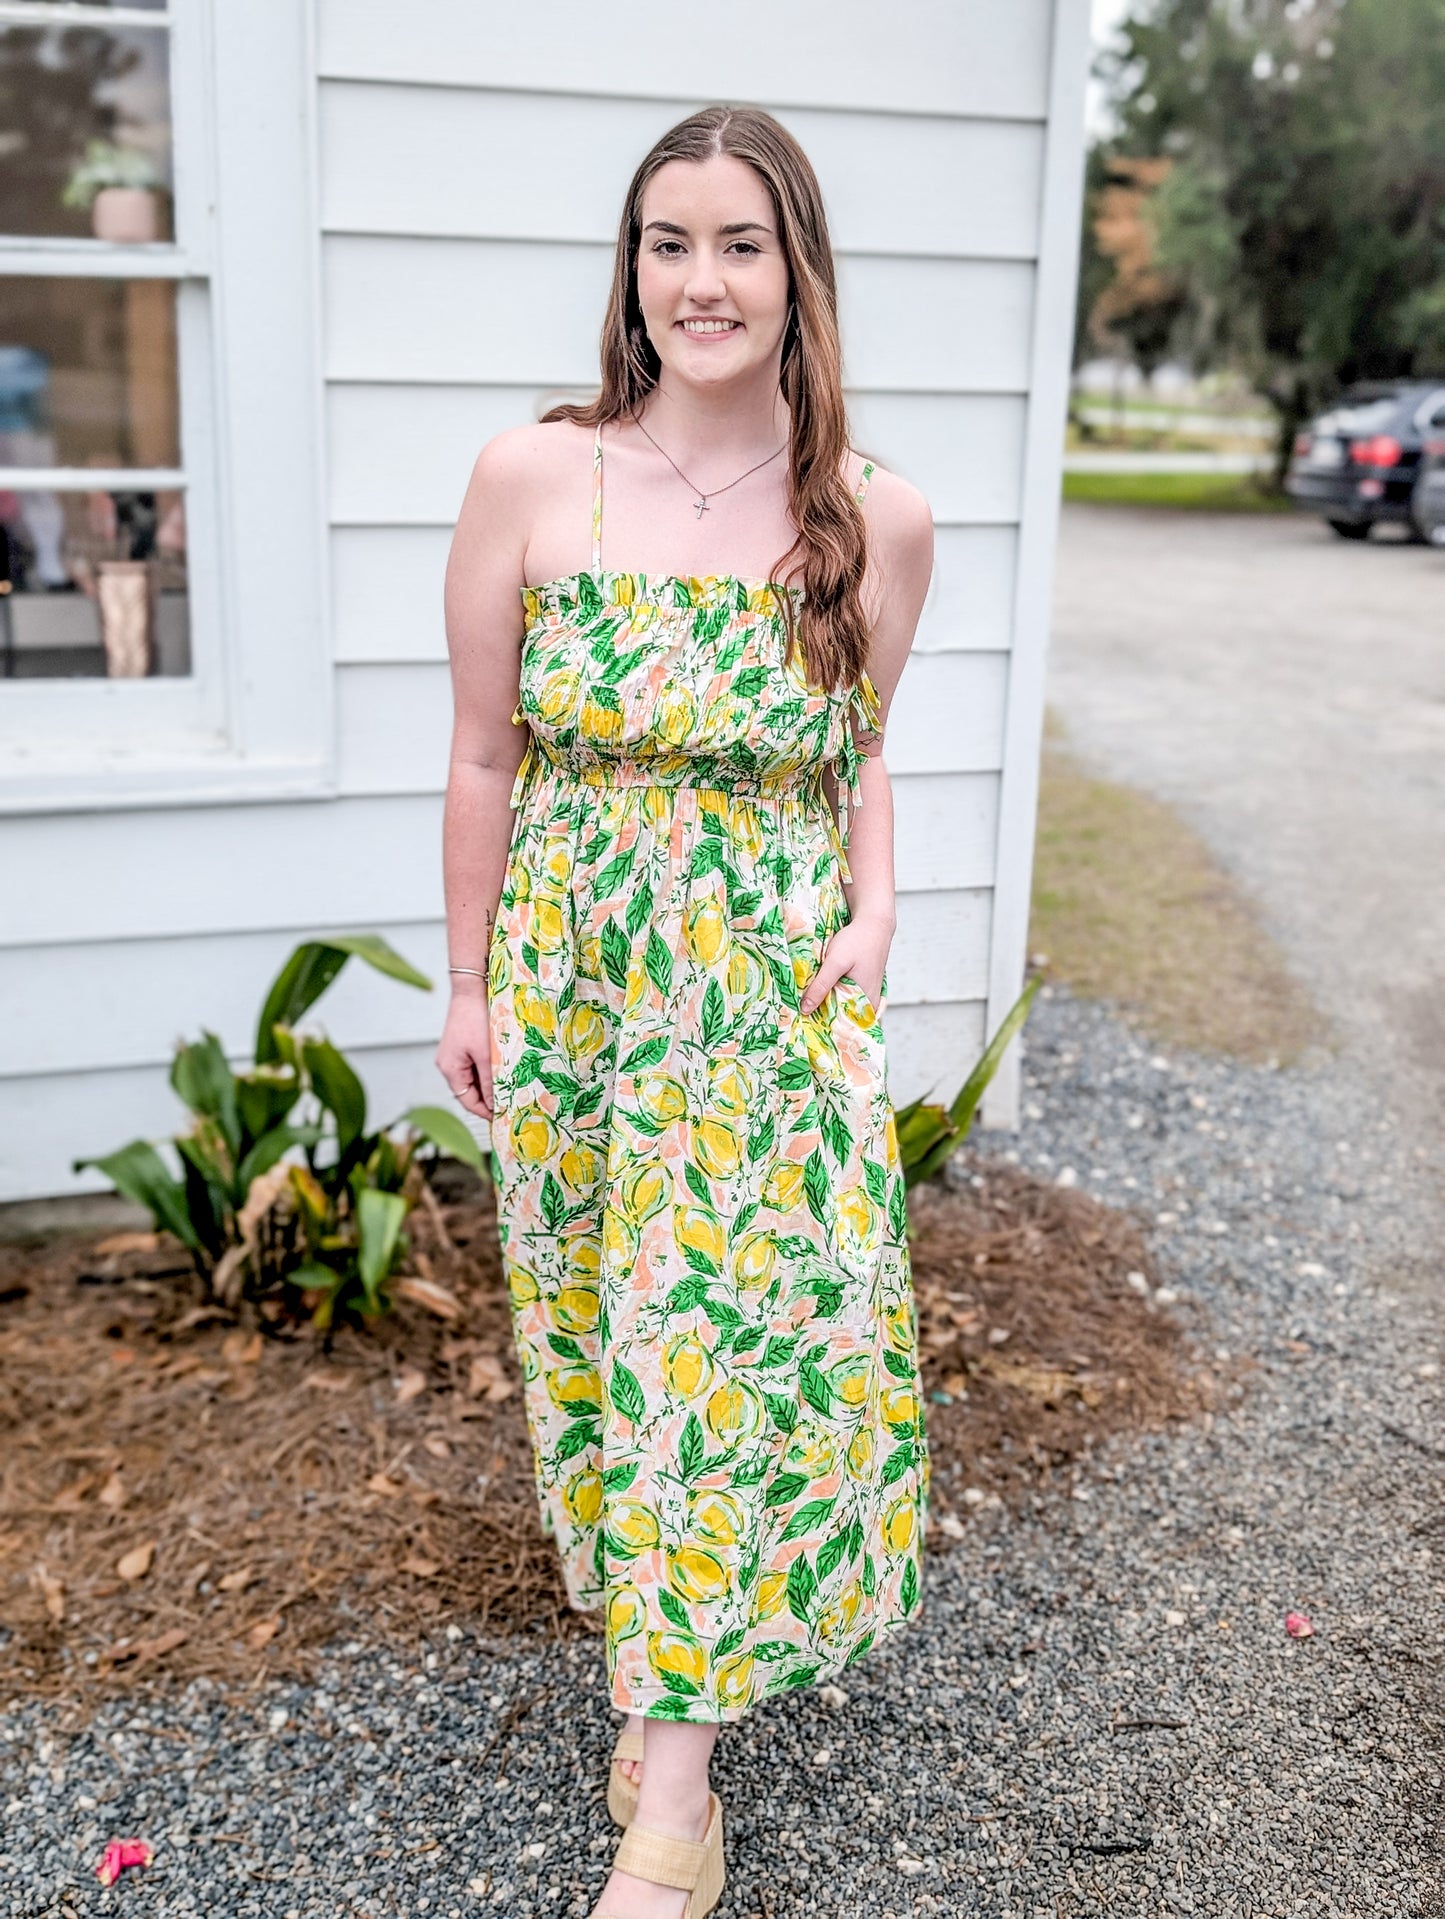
(137, 1562)
(431, 1295)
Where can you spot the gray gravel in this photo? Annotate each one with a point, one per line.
(983, 1763)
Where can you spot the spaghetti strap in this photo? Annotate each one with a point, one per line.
(597, 501)
(863, 483)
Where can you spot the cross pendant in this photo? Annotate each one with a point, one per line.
(701, 507)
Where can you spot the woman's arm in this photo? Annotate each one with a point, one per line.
(901, 532)
(483, 601)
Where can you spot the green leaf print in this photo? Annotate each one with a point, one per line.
(816, 1390)
(707, 855)
(832, 1553)
(528, 1067)
(796, 1072)
(760, 1140)
(692, 1446)
(785, 1489)
(564, 1346)
(535, 1035)
(578, 1439)
(627, 1394)
(855, 1537)
(582, 1409)
(675, 1683)
(723, 1314)
(816, 1187)
(899, 1364)
(562, 1084)
(700, 1261)
(589, 1099)
(802, 1588)
(898, 1210)
(658, 961)
(616, 952)
(743, 1219)
(875, 1178)
(751, 680)
(668, 1709)
(868, 1580)
(839, 1135)
(791, 1680)
(908, 1589)
(715, 1021)
(647, 1054)
(771, 1650)
(897, 1463)
(617, 869)
(639, 909)
(589, 596)
(808, 1518)
(616, 1479)
(864, 1646)
(687, 1294)
(697, 1180)
(730, 652)
(531, 959)
(783, 1412)
(554, 1203)
(730, 1642)
(746, 1337)
(780, 1349)
(672, 1608)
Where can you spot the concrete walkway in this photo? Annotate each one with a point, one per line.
(1286, 691)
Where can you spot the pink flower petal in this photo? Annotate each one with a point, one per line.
(1298, 1626)
(119, 1854)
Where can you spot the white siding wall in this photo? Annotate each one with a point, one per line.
(472, 161)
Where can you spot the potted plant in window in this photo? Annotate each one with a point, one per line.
(122, 187)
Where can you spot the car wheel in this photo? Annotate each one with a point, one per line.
(1351, 529)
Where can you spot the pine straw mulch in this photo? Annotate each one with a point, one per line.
(181, 1494)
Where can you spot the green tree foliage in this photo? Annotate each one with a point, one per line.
(1303, 214)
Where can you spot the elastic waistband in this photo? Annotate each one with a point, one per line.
(616, 774)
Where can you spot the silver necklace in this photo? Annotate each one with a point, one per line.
(700, 506)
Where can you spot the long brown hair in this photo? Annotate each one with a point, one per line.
(832, 535)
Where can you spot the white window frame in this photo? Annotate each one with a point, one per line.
(253, 720)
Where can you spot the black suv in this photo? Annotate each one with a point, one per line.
(1358, 463)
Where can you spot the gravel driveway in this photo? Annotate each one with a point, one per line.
(1101, 1711)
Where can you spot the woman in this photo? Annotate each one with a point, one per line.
(669, 965)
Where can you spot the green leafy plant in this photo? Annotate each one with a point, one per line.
(282, 1189)
(108, 165)
(929, 1134)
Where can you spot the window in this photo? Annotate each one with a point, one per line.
(162, 631)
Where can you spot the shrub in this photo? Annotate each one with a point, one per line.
(929, 1134)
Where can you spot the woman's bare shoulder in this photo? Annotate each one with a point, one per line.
(900, 519)
(537, 453)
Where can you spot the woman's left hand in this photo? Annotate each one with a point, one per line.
(857, 951)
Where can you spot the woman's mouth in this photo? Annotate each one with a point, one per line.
(709, 329)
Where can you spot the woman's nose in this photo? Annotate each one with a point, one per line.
(705, 282)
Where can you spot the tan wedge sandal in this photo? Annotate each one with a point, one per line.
(622, 1791)
(694, 1866)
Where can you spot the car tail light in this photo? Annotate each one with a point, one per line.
(1382, 450)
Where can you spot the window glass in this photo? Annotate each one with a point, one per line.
(85, 132)
(92, 579)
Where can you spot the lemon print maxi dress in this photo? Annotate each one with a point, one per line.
(700, 1200)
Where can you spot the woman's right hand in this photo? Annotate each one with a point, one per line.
(464, 1055)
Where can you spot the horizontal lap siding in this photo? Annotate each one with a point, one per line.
(472, 164)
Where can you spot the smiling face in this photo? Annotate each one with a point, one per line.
(712, 277)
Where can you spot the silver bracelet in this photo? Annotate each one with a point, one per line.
(467, 969)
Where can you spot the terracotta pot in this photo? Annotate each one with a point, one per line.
(126, 216)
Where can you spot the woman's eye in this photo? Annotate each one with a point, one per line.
(746, 247)
(662, 247)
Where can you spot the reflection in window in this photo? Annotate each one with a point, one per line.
(92, 579)
(85, 132)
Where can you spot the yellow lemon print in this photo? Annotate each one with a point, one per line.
(583, 1255)
(582, 1167)
(534, 1136)
(733, 1413)
(584, 1032)
(522, 1285)
(639, 985)
(574, 1386)
(747, 977)
(836, 1622)
(662, 1098)
(696, 1575)
(772, 1595)
(626, 1614)
(898, 1323)
(601, 724)
(898, 1526)
(745, 828)
(811, 1451)
(633, 1527)
(582, 1498)
(716, 1149)
(558, 696)
(755, 1261)
(731, 1086)
(859, 1217)
(704, 931)
(851, 1379)
(716, 1517)
(890, 1139)
(674, 715)
(687, 1366)
(783, 1186)
(700, 1231)
(575, 1309)
(619, 1240)
(900, 1407)
(657, 804)
(642, 1191)
(860, 1453)
(546, 928)
(534, 1009)
(556, 867)
(677, 1656)
(734, 1680)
